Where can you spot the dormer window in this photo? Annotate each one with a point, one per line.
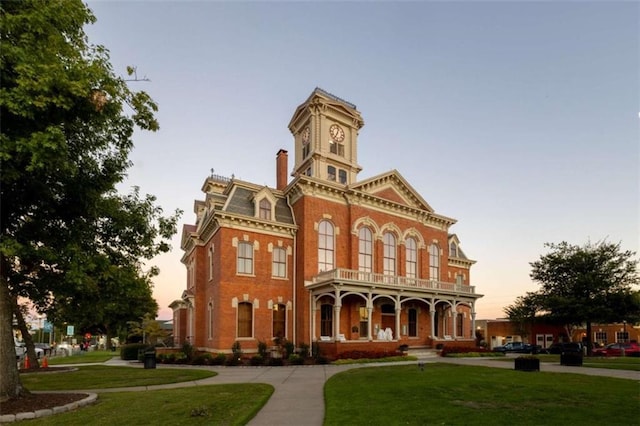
(453, 249)
(265, 209)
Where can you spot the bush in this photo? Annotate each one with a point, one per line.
(236, 349)
(289, 347)
(130, 351)
(464, 350)
(256, 360)
(262, 349)
(188, 351)
(295, 359)
(219, 359)
(276, 362)
(232, 360)
(304, 350)
(202, 359)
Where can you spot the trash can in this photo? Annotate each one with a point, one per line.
(150, 359)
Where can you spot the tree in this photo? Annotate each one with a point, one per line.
(66, 136)
(583, 284)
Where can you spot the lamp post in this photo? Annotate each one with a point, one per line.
(624, 325)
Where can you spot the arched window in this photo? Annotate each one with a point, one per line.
(211, 262)
(434, 262)
(389, 262)
(411, 266)
(245, 258)
(326, 320)
(453, 249)
(279, 320)
(365, 250)
(326, 246)
(265, 209)
(245, 319)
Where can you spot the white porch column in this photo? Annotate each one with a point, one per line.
(473, 322)
(454, 314)
(369, 322)
(314, 312)
(432, 313)
(398, 312)
(336, 321)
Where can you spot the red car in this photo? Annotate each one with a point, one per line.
(615, 349)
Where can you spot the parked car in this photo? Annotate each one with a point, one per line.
(615, 349)
(515, 347)
(563, 347)
(46, 348)
(21, 350)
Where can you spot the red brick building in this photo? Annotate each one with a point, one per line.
(323, 257)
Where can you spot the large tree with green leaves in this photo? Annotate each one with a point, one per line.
(67, 126)
(582, 285)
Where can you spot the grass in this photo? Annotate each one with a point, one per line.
(102, 377)
(470, 395)
(231, 404)
(82, 358)
(613, 363)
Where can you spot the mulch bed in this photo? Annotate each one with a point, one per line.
(40, 401)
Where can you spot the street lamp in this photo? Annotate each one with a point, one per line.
(624, 325)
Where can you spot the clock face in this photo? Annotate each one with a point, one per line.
(306, 133)
(336, 132)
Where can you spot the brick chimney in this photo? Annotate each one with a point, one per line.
(282, 160)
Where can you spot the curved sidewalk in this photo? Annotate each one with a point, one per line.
(298, 398)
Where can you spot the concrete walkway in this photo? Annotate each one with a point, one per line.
(298, 398)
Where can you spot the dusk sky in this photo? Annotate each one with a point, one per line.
(520, 120)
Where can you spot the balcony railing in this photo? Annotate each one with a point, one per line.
(373, 279)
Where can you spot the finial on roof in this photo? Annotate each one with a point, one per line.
(212, 173)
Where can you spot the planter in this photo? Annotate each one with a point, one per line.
(571, 359)
(527, 364)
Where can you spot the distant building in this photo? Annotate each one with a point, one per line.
(323, 257)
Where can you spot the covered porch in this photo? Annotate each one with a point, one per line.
(353, 309)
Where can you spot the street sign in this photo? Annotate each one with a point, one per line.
(48, 327)
(70, 330)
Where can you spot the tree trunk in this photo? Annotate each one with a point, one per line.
(26, 336)
(10, 384)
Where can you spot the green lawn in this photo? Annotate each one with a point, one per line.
(233, 404)
(103, 376)
(82, 358)
(455, 394)
(613, 363)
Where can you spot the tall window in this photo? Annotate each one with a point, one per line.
(279, 316)
(342, 176)
(434, 262)
(365, 250)
(459, 323)
(600, 337)
(279, 264)
(364, 321)
(413, 322)
(265, 209)
(331, 173)
(622, 336)
(336, 148)
(411, 248)
(245, 319)
(325, 246)
(459, 279)
(306, 148)
(389, 262)
(210, 320)
(326, 320)
(245, 258)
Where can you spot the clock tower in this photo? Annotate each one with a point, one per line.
(325, 129)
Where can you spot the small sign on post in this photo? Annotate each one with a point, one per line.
(70, 330)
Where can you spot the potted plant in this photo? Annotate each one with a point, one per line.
(527, 363)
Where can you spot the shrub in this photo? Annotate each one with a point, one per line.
(289, 347)
(295, 359)
(276, 362)
(256, 360)
(236, 349)
(232, 360)
(130, 351)
(188, 351)
(304, 350)
(180, 358)
(219, 359)
(262, 349)
(202, 359)
(450, 350)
